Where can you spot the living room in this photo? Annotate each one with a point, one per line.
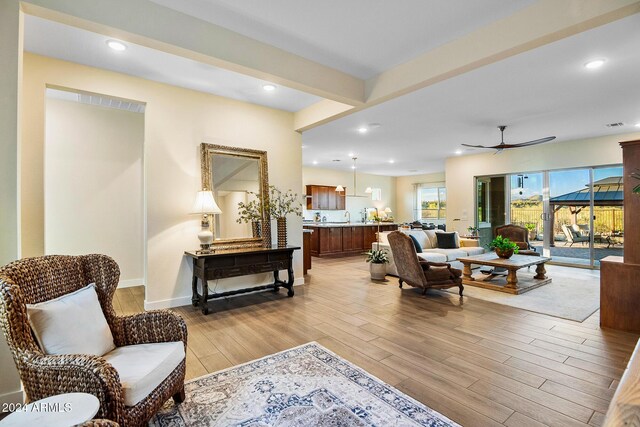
(384, 117)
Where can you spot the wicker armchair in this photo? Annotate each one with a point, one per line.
(420, 273)
(33, 280)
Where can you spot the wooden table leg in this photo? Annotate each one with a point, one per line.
(512, 279)
(290, 278)
(466, 271)
(540, 272)
(204, 306)
(276, 280)
(194, 286)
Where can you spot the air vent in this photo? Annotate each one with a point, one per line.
(336, 160)
(615, 125)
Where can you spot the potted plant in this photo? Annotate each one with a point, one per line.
(251, 212)
(473, 231)
(377, 258)
(504, 247)
(531, 227)
(279, 206)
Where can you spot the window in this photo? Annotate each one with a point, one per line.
(431, 202)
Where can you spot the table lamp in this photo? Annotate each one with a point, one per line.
(387, 211)
(205, 205)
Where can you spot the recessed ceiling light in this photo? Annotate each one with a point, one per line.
(353, 167)
(363, 129)
(595, 63)
(392, 161)
(116, 45)
(350, 154)
(458, 152)
(638, 125)
(269, 87)
(315, 162)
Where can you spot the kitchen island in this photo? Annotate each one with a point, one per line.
(336, 239)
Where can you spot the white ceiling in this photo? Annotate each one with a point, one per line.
(539, 93)
(84, 47)
(360, 37)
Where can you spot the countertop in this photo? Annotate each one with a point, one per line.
(346, 224)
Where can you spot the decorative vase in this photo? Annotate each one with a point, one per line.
(377, 270)
(256, 228)
(282, 232)
(504, 253)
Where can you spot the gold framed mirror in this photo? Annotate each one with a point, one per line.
(237, 176)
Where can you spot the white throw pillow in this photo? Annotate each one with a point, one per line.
(71, 324)
(420, 236)
(433, 240)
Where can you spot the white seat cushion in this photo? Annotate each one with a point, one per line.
(143, 367)
(473, 250)
(71, 324)
(451, 254)
(432, 256)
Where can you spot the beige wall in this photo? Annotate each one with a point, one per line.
(460, 171)
(405, 193)
(176, 122)
(10, 87)
(355, 205)
(93, 184)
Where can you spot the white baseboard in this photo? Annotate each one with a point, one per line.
(11, 397)
(130, 283)
(186, 300)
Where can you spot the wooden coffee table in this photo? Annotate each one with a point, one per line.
(496, 282)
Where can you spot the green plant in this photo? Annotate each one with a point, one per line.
(282, 204)
(377, 256)
(503, 244)
(531, 226)
(249, 212)
(472, 230)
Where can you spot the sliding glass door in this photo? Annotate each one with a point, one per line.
(574, 216)
(570, 217)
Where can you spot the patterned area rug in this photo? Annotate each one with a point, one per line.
(304, 386)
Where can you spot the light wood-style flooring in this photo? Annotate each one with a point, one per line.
(478, 363)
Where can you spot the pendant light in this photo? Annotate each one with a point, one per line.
(355, 168)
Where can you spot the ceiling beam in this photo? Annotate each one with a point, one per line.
(151, 25)
(544, 22)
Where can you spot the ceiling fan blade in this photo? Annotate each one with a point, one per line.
(534, 142)
(475, 146)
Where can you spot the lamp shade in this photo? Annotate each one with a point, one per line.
(205, 204)
(368, 190)
(388, 210)
(339, 188)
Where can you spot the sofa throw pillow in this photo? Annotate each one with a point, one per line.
(71, 324)
(416, 244)
(446, 240)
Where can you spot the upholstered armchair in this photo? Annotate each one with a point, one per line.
(35, 280)
(420, 273)
(519, 235)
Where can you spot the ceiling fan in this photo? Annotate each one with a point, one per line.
(504, 146)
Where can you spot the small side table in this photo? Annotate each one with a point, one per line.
(62, 410)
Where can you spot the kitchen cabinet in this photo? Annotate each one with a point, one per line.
(325, 197)
(344, 239)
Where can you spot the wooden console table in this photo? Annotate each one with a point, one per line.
(239, 262)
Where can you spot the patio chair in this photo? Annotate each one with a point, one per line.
(573, 236)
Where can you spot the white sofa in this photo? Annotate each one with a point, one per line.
(430, 250)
